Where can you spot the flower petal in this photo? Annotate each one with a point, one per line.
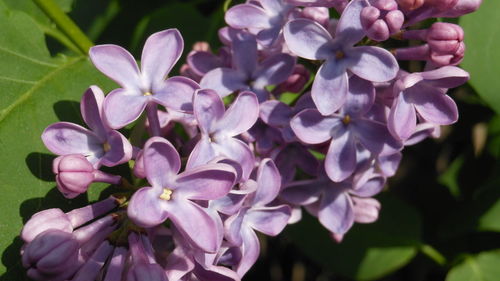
(375, 137)
(202, 153)
(250, 251)
(122, 107)
(275, 113)
(160, 53)
(208, 110)
(224, 81)
(239, 152)
(118, 64)
(446, 77)
(244, 47)
(373, 63)
(195, 224)
(269, 220)
(161, 162)
(311, 127)
(64, 138)
(273, 70)
(240, 116)
(360, 97)
(402, 118)
(146, 209)
(268, 183)
(120, 151)
(247, 16)
(308, 39)
(206, 182)
(176, 93)
(433, 105)
(330, 86)
(91, 109)
(302, 192)
(340, 160)
(336, 211)
(349, 29)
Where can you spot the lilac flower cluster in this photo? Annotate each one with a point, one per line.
(197, 200)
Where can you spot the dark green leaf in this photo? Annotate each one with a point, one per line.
(483, 267)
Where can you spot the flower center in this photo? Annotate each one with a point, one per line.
(339, 54)
(106, 147)
(167, 194)
(147, 94)
(346, 120)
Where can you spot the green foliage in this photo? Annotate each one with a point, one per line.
(483, 267)
(367, 251)
(482, 58)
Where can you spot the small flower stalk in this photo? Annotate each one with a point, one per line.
(220, 155)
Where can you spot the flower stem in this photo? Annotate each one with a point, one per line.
(433, 254)
(68, 27)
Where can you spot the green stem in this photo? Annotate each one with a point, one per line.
(433, 254)
(67, 25)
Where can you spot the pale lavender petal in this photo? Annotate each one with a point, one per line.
(308, 39)
(233, 227)
(122, 107)
(331, 75)
(433, 105)
(247, 16)
(368, 183)
(202, 153)
(179, 263)
(239, 152)
(116, 265)
(91, 109)
(365, 209)
(202, 62)
(64, 138)
(93, 265)
(268, 182)
(146, 271)
(270, 220)
(311, 127)
(207, 182)
(240, 116)
(340, 160)
(208, 109)
(336, 211)
(224, 81)
(273, 70)
(375, 137)
(176, 93)
(402, 118)
(275, 113)
(303, 192)
(146, 209)
(161, 162)
(250, 251)
(195, 224)
(274, 7)
(215, 273)
(269, 37)
(349, 28)
(161, 51)
(244, 47)
(120, 151)
(446, 77)
(389, 164)
(118, 64)
(360, 97)
(372, 63)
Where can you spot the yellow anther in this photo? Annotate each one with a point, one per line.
(339, 54)
(167, 194)
(346, 120)
(106, 147)
(147, 94)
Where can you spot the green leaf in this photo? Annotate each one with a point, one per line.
(482, 58)
(37, 90)
(368, 251)
(483, 267)
(450, 177)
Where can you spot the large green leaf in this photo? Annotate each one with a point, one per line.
(483, 267)
(482, 58)
(36, 90)
(368, 251)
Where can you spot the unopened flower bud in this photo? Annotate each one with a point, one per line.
(446, 43)
(317, 14)
(74, 174)
(51, 256)
(382, 19)
(366, 210)
(409, 5)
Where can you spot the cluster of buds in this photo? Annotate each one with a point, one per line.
(200, 192)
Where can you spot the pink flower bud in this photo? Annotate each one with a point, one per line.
(365, 209)
(409, 5)
(44, 220)
(381, 19)
(446, 44)
(74, 174)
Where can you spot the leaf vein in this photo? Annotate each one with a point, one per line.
(28, 58)
(17, 80)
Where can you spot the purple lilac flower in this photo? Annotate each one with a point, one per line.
(92, 267)
(346, 129)
(263, 18)
(116, 265)
(143, 264)
(333, 202)
(219, 127)
(147, 86)
(443, 9)
(339, 5)
(171, 194)
(256, 215)
(247, 72)
(310, 40)
(101, 145)
(424, 93)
